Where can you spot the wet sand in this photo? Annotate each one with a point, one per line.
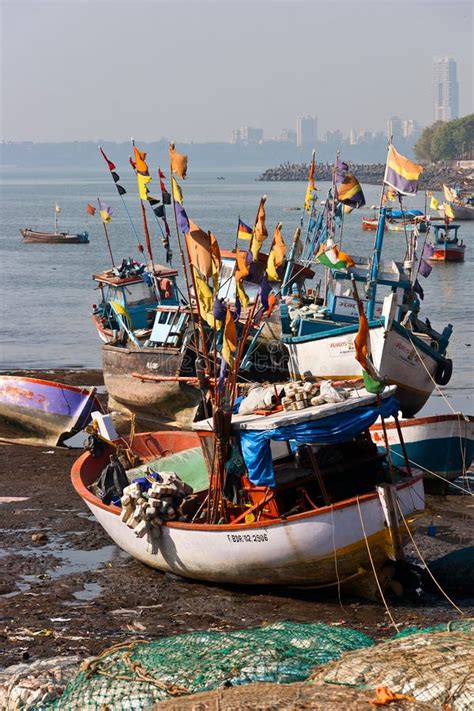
(75, 592)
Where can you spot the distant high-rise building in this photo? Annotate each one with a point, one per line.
(410, 128)
(288, 135)
(333, 137)
(307, 131)
(445, 89)
(352, 137)
(394, 128)
(247, 135)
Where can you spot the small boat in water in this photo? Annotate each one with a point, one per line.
(446, 245)
(305, 495)
(46, 411)
(55, 237)
(439, 444)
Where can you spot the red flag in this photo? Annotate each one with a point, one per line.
(90, 209)
(109, 162)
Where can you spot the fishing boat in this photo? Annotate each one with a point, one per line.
(48, 411)
(462, 207)
(446, 247)
(369, 224)
(55, 237)
(438, 445)
(306, 495)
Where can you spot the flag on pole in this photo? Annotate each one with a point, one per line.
(330, 256)
(309, 197)
(260, 230)
(142, 173)
(182, 219)
(434, 204)
(372, 381)
(105, 211)
(348, 190)
(205, 298)
(109, 162)
(401, 174)
(198, 244)
(449, 194)
(115, 176)
(244, 231)
(176, 190)
(178, 162)
(215, 260)
(448, 211)
(277, 255)
(229, 343)
(165, 196)
(90, 209)
(57, 209)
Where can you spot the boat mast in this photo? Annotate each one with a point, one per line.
(56, 211)
(372, 276)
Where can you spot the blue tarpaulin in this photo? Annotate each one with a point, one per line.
(334, 429)
(404, 213)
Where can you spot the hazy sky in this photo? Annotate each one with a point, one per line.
(83, 70)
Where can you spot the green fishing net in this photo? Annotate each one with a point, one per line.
(141, 673)
(466, 625)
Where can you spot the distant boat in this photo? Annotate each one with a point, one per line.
(48, 411)
(446, 245)
(55, 237)
(220, 177)
(462, 206)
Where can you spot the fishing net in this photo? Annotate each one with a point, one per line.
(137, 674)
(435, 667)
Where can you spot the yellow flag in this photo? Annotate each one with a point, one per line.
(142, 181)
(205, 299)
(277, 254)
(215, 261)
(308, 198)
(177, 192)
(448, 211)
(434, 204)
(260, 230)
(229, 343)
(242, 270)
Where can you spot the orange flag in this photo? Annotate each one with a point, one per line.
(241, 272)
(277, 254)
(178, 162)
(229, 343)
(260, 230)
(215, 259)
(199, 249)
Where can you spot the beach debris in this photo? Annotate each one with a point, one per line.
(31, 686)
(39, 537)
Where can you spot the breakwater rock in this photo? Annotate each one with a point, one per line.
(432, 177)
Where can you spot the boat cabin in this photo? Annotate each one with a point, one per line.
(445, 234)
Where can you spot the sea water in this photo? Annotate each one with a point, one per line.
(47, 290)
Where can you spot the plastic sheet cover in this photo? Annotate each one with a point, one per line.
(334, 429)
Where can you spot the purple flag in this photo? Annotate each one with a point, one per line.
(265, 289)
(424, 268)
(428, 250)
(219, 310)
(182, 219)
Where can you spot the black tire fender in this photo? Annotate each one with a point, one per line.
(444, 371)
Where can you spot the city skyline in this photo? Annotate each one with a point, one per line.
(445, 89)
(200, 69)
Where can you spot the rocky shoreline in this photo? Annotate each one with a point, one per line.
(432, 177)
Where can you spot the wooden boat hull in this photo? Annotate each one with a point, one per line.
(155, 401)
(48, 411)
(394, 357)
(443, 444)
(53, 238)
(462, 212)
(299, 551)
(448, 253)
(369, 225)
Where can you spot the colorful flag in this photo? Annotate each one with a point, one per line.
(90, 209)
(244, 231)
(215, 260)
(165, 196)
(205, 298)
(57, 209)
(198, 244)
(277, 254)
(372, 382)
(260, 230)
(449, 194)
(242, 270)
(425, 268)
(182, 219)
(428, 250)
(177, 192)
(178, 162)
(309, 197)
(401, 174)
(142, 173)
(105, 212)
(448, 211)
(109, 162)
(330, 256)
(348, 190)
(434, 204)
(229, 343)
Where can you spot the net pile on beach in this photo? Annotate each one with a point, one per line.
(137, 674)
(435, 666)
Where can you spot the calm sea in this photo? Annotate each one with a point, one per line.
(47, 290)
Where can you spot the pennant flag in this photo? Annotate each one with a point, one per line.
(244, 231)
(277, 255)
(142, 181)
(449, 194)
(109, 162)
(177, 192)
(401, 174)
(57, 209)
(105, 212)
(348, 190)
(241, 272)
(434, 204)
(330, 256)
(182, 219)
(215, 260)
(121, 190)
(142, 173)
(165, 196)
(229, 343)
(205, 299)
(448, 211)
(90, 209)
(309, 197)
(178, 162)
(372, 382)
(260, 230)
(198, 244)
(425, 268)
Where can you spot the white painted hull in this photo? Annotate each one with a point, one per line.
(299, 551)
(394, 357)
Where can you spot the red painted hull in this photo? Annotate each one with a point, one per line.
(451, 254)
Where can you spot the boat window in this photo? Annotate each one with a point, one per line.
(163, 317)
(139, 293)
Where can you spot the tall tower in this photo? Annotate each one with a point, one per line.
(307, 131)
(445, 89)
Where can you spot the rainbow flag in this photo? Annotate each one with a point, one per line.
(244, 231)
(401, 174)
